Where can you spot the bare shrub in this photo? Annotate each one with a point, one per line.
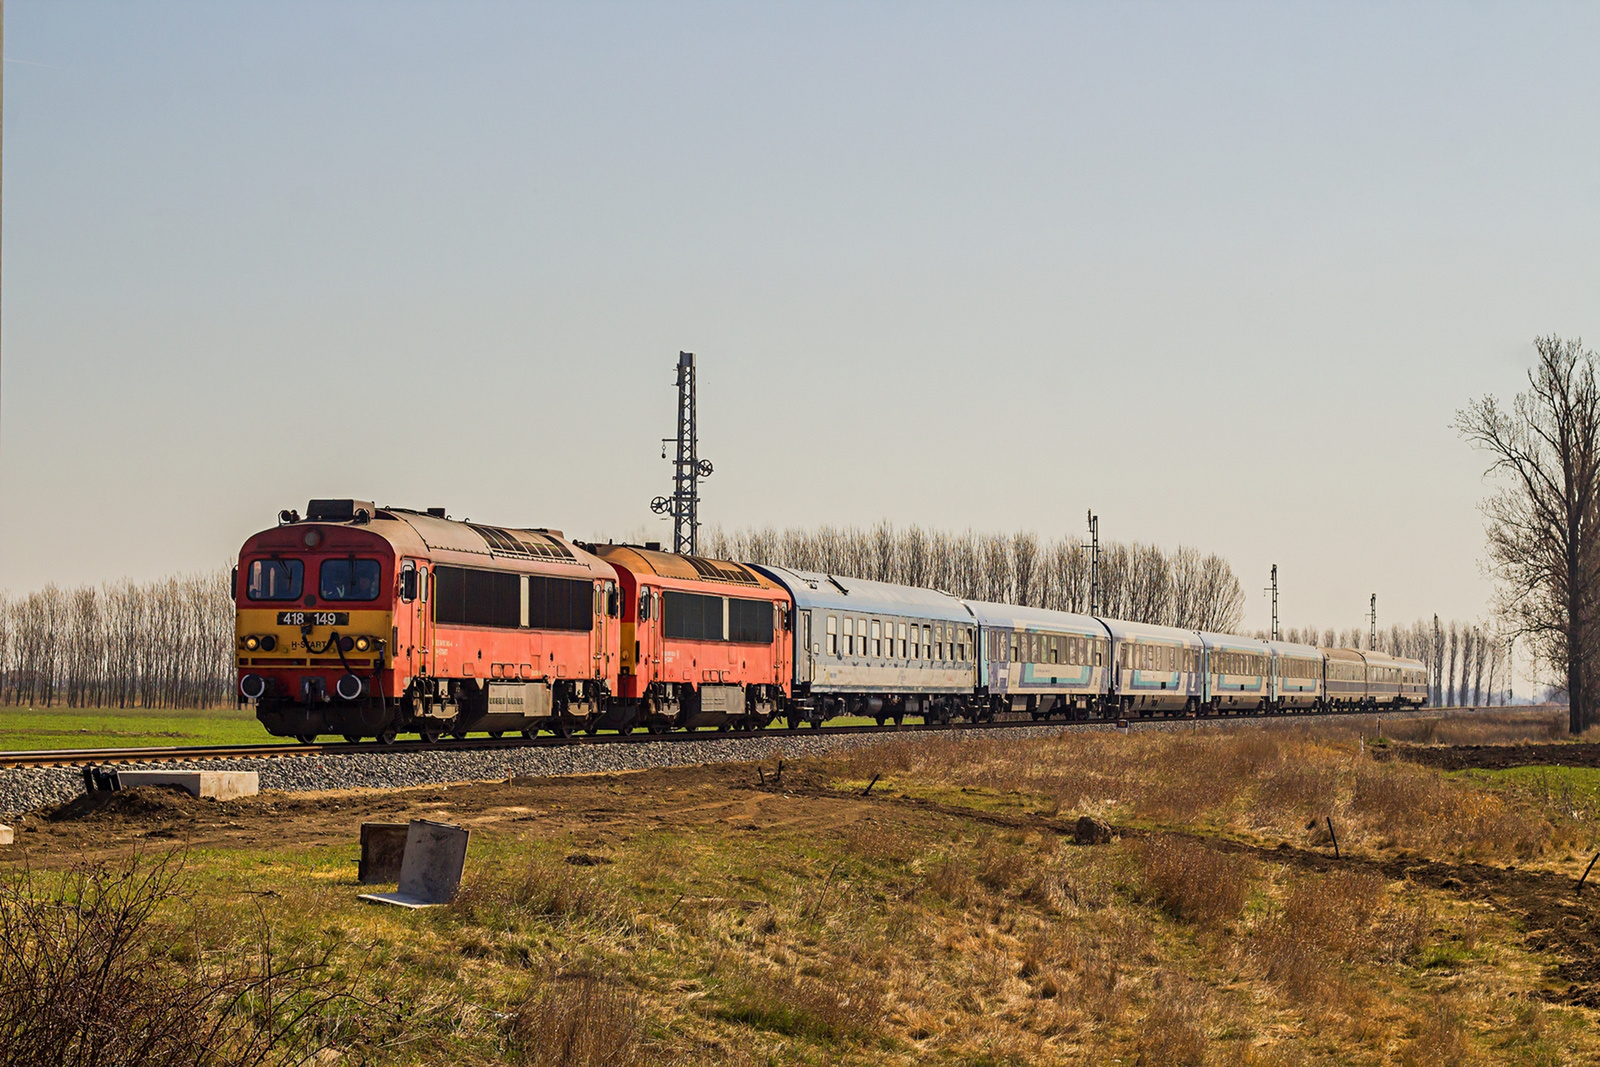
(578, 1020)
(1192, 882)
(90, 975)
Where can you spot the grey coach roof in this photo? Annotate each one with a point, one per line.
(1009, 615)
(1133, 631)
(811, 589)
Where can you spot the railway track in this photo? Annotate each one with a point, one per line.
(291, 750)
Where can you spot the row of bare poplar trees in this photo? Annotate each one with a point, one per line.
(1138, 582)
(1466, 662)
(161, 644)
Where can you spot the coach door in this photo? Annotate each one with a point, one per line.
(802, 646)
(413, 636)
(606, 623)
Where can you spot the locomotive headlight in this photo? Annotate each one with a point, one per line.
(363, 643)
(268, 643)
(252, 643)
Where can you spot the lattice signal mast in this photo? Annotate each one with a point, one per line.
(684, 503)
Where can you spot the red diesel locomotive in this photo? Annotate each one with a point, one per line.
(369, 622)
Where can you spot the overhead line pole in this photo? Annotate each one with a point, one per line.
(683, 506)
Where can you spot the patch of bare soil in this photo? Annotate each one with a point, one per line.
(1492, 757)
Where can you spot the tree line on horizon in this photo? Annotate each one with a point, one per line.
(167, 643)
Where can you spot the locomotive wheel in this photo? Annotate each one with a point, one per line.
(794, 722)
(497, 734)
(530, 734)
(429, 736)
(387, 737)
(306, 739)
(354, 739)
(625, 729)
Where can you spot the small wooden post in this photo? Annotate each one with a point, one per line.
(870, 784)
(1585, 877)
(1334, 836)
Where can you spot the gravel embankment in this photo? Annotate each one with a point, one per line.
(25, 789)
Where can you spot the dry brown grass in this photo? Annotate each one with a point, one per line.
(1256, 779)
(577, 1020)
(1192, 882)
(1325, 922)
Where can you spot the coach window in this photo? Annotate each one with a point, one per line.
(877, 643)
(902, 639)
(849, 636)
(833, 635)
(916, 645)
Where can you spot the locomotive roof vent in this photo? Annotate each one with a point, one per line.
(338, 510)
(437, 513)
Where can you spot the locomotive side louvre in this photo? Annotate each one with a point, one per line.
(877, 649)
(1155, 668)
(1042, 662)
(703, 643)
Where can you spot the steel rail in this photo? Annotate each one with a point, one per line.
(289, 750)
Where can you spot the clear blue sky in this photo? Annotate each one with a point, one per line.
(1221, 272)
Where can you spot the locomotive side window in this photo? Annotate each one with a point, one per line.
(349, 579)
(275, 579)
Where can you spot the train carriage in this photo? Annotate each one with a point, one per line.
(1042, 662)
(1395, 682)
(876, 649)
(1237, 670)
(1344, 679)
(705, 642)
(1296, 678)
(366, 621)
(1157, 669)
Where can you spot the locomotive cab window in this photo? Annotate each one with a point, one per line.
(349, 579)
(275, 579)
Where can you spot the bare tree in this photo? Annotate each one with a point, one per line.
(1541, 521)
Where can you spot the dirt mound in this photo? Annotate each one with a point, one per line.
(1493, 757)
(154, 803)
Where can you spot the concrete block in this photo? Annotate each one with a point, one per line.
(7, 835)
(430, 874)
(383, 850)
(213, 785)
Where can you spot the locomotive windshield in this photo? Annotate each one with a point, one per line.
(349, 579)
(275, 579)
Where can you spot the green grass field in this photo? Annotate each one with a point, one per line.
(35, 729)
(32, 729)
